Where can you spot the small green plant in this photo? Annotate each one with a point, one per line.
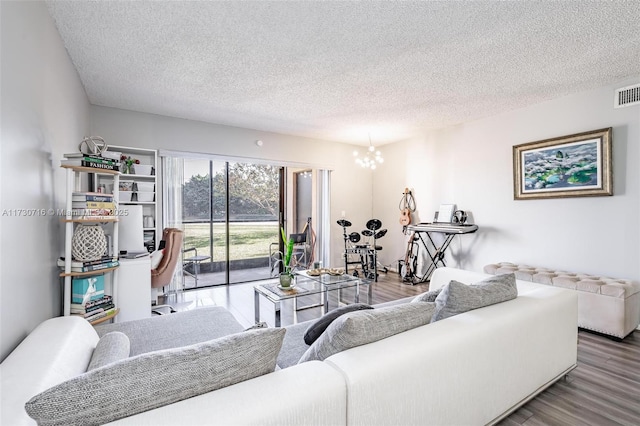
(288, 251)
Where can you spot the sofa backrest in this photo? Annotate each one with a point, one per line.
(467, 369)
(57, 350)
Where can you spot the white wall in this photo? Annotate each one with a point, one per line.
(471, 165)
(351, 185)
(45, 113)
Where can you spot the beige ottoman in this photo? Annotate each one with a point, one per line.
(606, 305)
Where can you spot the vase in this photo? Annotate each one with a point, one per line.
(88, 243)
(285, 280)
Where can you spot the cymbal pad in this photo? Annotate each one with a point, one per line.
(374, 224)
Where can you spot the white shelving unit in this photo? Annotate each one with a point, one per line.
(147, 157)
(74, 178)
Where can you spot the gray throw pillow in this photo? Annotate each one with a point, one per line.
(367, 326)
(318, 327)
(111, 347)
(457, 298)
(429, 296)
(155, 379)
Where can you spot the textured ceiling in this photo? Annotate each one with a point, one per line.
(341, 70)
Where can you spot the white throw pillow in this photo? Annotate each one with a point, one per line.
(156, 257)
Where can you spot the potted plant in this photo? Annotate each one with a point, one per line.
(127, 162)
(286, 275)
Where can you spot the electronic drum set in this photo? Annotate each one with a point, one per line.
(366, 253)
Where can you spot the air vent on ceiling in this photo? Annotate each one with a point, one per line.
(627, 96)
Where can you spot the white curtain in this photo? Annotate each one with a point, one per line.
(172, 182)
(324, 216)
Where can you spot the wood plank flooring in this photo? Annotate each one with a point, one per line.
(603, 390)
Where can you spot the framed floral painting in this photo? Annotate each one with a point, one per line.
(569, 166)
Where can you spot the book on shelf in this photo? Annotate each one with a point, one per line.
(95, 218)
(93, 205)
(92, 304)
(92, 311)
(80, 159)
(92, 268)
(101, 160)
(93, 212)
(96, 268)
(102, 166)
(92, 196)
(101, 315)
(80, 263)
(79, 154)
(114, 155)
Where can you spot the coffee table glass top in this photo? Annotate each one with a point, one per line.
(303, 285)
(328, 279)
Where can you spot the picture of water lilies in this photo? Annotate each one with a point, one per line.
(575, 165)
(562, 167)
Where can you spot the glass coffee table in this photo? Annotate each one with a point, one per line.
(305, 285)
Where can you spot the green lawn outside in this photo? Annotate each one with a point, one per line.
(247, 239)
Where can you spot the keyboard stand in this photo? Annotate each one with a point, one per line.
(434, 251)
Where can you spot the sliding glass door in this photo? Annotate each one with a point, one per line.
(254, 200)
(231, 213)
(204, 213)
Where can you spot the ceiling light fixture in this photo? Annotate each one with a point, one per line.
(371, 159)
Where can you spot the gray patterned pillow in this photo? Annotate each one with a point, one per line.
(111, 347)
(457, 298)
(429, 296)
(155, 379)
(362, 327)
(318, 327)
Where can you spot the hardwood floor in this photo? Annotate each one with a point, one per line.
(603, 390)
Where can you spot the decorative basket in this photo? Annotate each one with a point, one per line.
(88, 243)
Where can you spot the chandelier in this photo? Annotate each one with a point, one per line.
(371, 158)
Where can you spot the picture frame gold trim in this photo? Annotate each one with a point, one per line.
(564, 166)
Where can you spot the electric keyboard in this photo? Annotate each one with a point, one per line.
(448, 228)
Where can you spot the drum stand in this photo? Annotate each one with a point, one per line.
(352, 238)
(368, 255)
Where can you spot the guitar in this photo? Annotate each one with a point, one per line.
(405, 217)
(408, 269)
(405, 209)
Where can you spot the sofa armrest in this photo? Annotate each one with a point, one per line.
(57, 350)
(307, 394)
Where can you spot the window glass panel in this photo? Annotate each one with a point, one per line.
(253, 219)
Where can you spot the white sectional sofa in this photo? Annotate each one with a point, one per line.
(472, 368)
